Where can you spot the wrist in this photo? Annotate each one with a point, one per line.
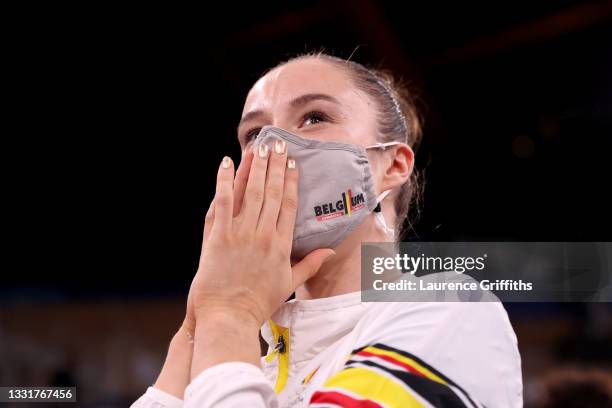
(226, 319)
(240, 308)
(175, 373)
(225, 336)
(183, 338)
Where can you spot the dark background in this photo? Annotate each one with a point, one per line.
(118, 119)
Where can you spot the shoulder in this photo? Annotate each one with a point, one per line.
(435, 324)
(472, 344)
(480, 319)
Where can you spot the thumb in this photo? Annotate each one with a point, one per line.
(309, 265)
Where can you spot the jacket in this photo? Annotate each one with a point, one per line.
(339, 351)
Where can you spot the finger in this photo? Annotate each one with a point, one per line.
(209, 220)
(242, 176)
(254, 192)
(275, 180)
(310, 265)
(289, 205)
(224, 196)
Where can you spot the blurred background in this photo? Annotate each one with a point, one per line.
(118, 119)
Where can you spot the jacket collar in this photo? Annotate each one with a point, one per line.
(313, 325)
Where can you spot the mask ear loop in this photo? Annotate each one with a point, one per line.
(382, 146)
(380, 218)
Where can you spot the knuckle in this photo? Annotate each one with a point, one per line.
(274, 192)
(220, 240)
(225, 237)
(290, 203)
(243, 239)
(256, 196)
(264, 242)
(223, 199)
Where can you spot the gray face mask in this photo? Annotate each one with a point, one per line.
(336, 189)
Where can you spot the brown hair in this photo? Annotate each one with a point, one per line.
(575, 387)
(398, 120)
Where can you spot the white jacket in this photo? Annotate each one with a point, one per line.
(339, 351)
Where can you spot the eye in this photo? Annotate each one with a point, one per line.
(251, 134)
(314, 117)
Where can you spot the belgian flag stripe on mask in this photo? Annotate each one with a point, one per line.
(349, 204)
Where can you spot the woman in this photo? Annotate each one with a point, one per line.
(316, 124)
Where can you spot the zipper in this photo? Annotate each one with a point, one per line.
(280, 345)
(281, 352)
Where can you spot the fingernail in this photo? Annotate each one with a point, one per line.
(279, 146)
(291, 164)
(328, 257)
(263, 151)
(227, 162)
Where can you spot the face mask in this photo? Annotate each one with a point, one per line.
(336, 189)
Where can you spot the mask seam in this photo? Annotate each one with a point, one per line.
(315, 144)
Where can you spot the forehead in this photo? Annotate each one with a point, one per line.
(304, 76)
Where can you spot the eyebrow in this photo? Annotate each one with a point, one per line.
(250, 116)
(295, 103)
(304, 99)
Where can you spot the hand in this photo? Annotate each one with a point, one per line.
(245, 269)
(239, 185)
(175, 374)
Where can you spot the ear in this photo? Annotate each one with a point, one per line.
(399, 168)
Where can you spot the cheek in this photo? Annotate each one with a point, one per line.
(365, 133)
(377, 167)
(359, 130)
(332, 132)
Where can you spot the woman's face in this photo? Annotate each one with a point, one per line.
(312, 98)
